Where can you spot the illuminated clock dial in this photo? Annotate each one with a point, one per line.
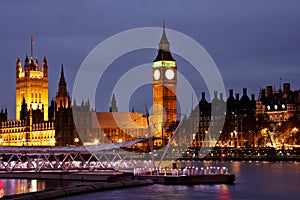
(156, 74)
(169, 74)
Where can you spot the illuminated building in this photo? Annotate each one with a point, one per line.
(278, 105)
(32, 130)
(17, 133)
(278, 116)
(164, 81)
(32, 85)
(124, 126)
(120, 127)
(31, 127)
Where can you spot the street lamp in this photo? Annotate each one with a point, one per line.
(205, 138)
(53, 141)
(23, 140)
(236, 143)
(231, 138)
(76, 140)
(294, 130)
(96, 141)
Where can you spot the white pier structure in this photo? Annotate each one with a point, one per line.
(72, 158)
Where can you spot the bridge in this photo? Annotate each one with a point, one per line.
(80, 158)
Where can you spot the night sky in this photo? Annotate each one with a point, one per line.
(254, 43)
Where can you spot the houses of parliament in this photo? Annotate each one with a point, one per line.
(65, 123)
(40, 124)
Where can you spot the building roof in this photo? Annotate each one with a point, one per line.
(122, 120)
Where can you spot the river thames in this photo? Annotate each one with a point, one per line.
(254, 180)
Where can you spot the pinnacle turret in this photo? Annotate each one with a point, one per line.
(62, 97)
(164, 48)
(19, 60)
(45, 60)
(26, 59)
(164, 42)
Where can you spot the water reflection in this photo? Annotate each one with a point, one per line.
(18, 186)
(224, 193)
(254, 180)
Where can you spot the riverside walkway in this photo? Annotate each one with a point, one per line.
(79, 189)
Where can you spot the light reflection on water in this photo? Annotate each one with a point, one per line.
(254, 180)
(162, 192)
(18, 186)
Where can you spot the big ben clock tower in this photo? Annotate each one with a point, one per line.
(164, 81)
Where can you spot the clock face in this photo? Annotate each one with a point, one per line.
(156, 74)
(169, 74)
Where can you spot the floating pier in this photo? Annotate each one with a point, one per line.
(187, 176)
(191, 180)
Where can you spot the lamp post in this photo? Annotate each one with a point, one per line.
(23, 140)
(294, 130)
(53, 141)
(96, 141)
(236, 136)
(205, 138)
(76, 141)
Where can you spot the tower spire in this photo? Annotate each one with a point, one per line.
(62, 87)
(62, 75)
(45, 59)
(164, 52)
(113, 107)
(62, 98)
(26, 58)
(164, 43)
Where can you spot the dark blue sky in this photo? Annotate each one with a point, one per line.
(253, 43)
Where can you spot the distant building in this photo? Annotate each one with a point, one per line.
(239, 120)
(278, 116)
(278, 106)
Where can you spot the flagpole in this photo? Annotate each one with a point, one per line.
(31, 47)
